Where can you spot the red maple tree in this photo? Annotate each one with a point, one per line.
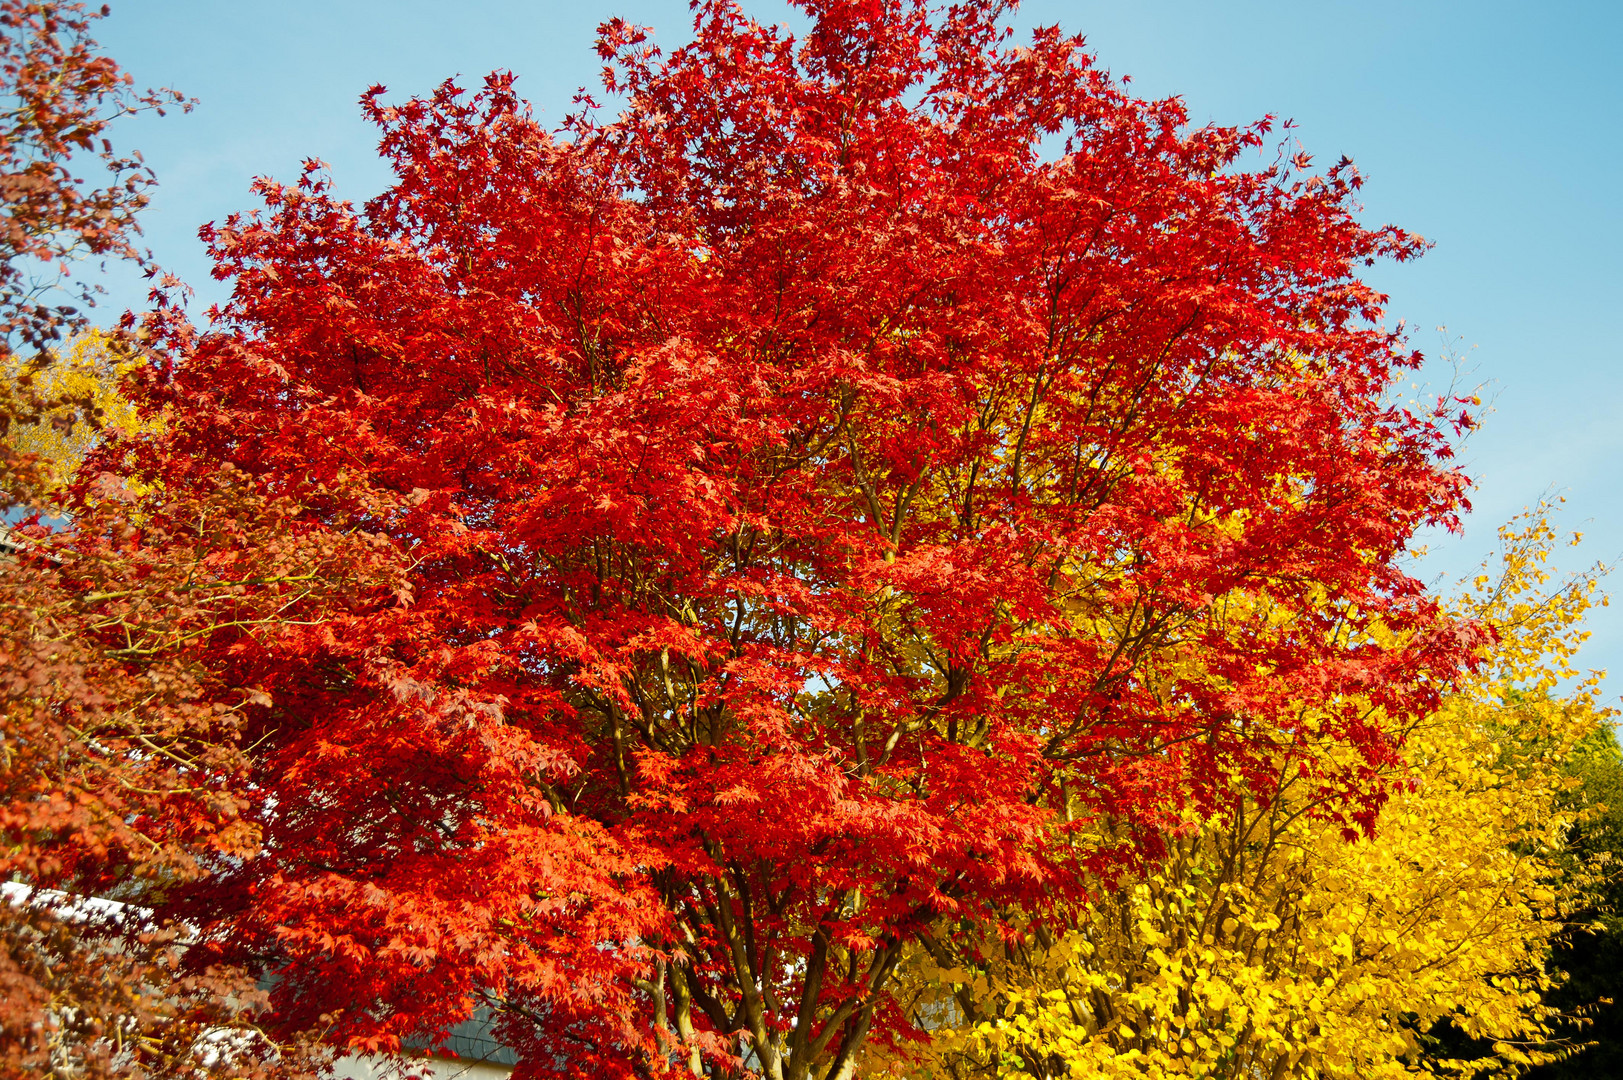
(829, 499)
(123, 776)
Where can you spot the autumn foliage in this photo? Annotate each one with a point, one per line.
(125, 778)
(804, 501)
(58, 93)
(121, 772)
(884, 555)
(1263, 944)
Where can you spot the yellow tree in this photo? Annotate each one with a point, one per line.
(79, 389)
(1267, 945)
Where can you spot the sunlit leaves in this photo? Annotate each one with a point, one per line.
(822, 518)
(1267, 944)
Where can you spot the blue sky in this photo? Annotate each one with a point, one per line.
(1493, 129)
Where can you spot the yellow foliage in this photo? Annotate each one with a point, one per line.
(1266, 945)
(83, 384)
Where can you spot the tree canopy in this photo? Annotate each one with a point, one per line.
(886, 555)
(879, 484)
